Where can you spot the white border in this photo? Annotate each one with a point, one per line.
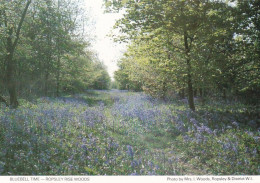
(129, 179)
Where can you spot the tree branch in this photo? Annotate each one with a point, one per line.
(21, 23)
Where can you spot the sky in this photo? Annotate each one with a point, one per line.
(109, 52)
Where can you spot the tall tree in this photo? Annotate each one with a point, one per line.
(187, 23)
(12, 38)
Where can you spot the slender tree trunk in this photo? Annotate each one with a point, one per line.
(19, 85)
(10, 73)
(190, 89)
(182, 93)
(205, 92)
(48, 62)
(189, 79)
(58, 77)
(46, 78)
(201, 93)
(195, 92)
(164, 90)
(224, 94)
(59, 55)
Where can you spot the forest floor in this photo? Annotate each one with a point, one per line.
(126, 133)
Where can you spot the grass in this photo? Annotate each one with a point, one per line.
(125, 133)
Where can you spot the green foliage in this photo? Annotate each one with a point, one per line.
(114, 85)
(185, 47)
(53, 55)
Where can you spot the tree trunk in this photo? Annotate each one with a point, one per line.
(46, 77)
(224, 94)
(10, 73)
(58, 77)
(190, 89)
(59, 55)
(182, 93)
(205, 92)
(195, 92)
(189, 79)
(201, 93)
(164, 90)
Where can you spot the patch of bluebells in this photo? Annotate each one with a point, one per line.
(65, 136)
(141, 108)
(130, 151)
(201, 132)
(219, 146)
(49, 132)
(57, 137)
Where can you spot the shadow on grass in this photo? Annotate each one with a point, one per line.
(90, 98)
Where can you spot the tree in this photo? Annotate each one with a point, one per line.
(12, 37)
(184, 24)
(53, 55)
(246, 65)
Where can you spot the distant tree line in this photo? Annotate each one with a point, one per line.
(45, 50)
(192, 47)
